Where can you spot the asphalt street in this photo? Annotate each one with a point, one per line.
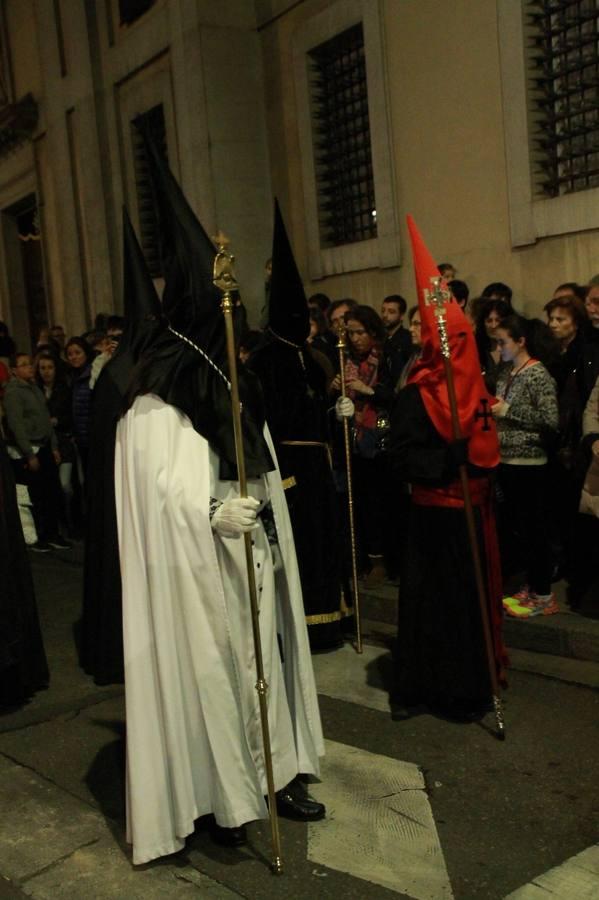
(425, 809)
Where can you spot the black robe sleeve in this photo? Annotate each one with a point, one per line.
(417, 450)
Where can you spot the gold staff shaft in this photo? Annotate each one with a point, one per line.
(438, 299)
(350, 494)
(224, 280)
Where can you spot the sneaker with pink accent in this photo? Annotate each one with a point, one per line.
(521, 595)
(550, 607)
(543, 605)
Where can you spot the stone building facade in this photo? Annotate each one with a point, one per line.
(451, 140)
(92, 67)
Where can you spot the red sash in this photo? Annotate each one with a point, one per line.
(451, 494)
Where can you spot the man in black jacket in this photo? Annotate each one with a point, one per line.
(397, 348)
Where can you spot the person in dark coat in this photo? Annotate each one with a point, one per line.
(23, 665)
(488, 317)
(397, 348)
(7, 344)
(51, 379)
(574, 365)
(295, 395)
(101, 636)
(80, 356)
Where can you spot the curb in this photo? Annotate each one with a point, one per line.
(565, 634)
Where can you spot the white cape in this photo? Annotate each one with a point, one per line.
(193, 726)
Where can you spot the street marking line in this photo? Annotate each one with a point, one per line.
(380, 825)
(576, 879)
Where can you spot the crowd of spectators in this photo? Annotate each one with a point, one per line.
(542, 372)
(46, 406)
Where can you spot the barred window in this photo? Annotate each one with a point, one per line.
(563, 39)
(153, 122)
(341, 135)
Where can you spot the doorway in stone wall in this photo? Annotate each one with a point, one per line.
(25, 271)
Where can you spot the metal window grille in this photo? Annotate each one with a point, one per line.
(341, 130)
(563, 43)
(153, 122)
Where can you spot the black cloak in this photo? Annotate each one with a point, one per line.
(23, 665)
(295, 396)
(101, 637)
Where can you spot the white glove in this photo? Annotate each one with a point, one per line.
(344, 408)
(236, 516)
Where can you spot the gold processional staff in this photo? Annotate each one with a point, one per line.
(341, 344)
(439, 297)
(224, 279)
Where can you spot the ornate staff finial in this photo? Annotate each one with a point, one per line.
(223, 272)
(341, 329)
(438, 297)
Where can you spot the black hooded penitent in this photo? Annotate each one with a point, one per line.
(288, 314)
(174, 370)
(101, 638)
(295, 394)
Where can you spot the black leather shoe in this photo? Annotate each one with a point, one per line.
(228, 837)
(292, 803)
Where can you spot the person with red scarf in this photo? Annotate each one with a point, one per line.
(440, 659)
(367, 384)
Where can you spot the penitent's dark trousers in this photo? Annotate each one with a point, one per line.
(44, 492)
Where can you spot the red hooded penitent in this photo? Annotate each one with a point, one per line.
(473, 400)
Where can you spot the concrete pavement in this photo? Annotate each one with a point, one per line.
(423, 809)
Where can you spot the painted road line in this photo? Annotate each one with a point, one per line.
(379, 824)
(576, 879)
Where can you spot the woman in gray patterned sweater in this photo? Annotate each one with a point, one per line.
(527, 415)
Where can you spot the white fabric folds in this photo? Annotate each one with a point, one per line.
(194, 743)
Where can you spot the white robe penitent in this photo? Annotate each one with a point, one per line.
(194, 741)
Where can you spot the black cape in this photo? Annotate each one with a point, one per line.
(23, 665)
(296, 410)
(101, 635)
(191, 303)
(101, 629)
